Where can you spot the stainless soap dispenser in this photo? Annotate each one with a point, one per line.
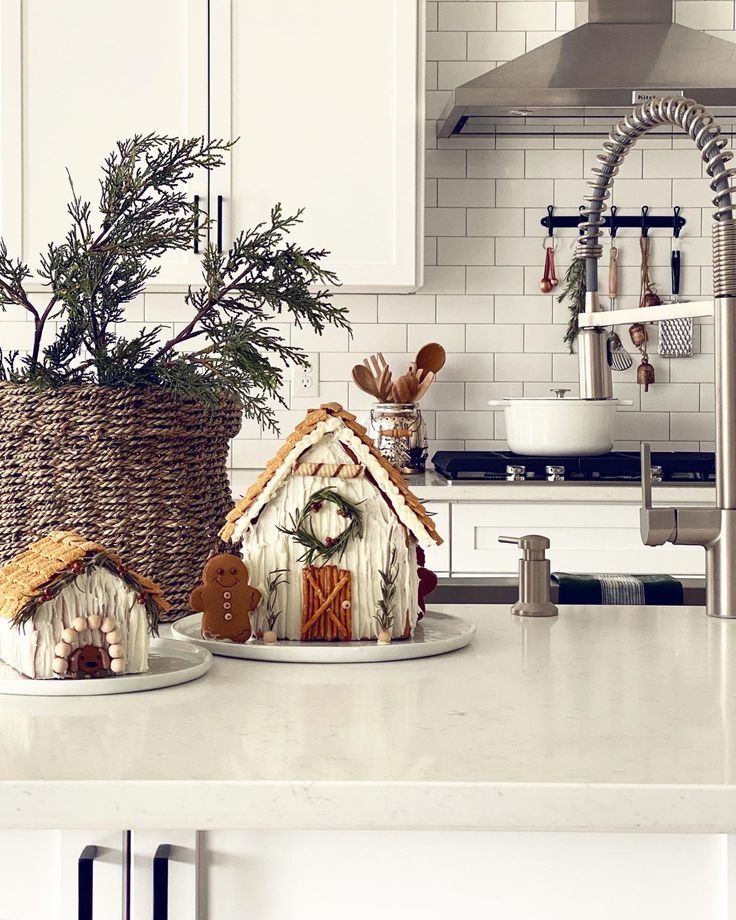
(534, 571)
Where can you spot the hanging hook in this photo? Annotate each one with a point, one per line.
(614, 224)
(644, 222)
(548, 221)
(678, 222)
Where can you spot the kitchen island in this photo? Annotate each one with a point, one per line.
(603, 719)
(269, 786)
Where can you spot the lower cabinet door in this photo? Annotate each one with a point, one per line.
(326, 875)
(30, 875)
(164, 876)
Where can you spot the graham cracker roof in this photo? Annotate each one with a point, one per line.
(26, 577)
(313, 418)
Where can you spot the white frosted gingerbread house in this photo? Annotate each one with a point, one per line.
(337, 527)
(71, 608)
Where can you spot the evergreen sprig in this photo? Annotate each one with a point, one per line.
(276, 578)
(385, 615)
(574, 292)
(229, 347)
(303, 534)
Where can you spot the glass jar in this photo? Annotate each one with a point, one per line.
(400, 435)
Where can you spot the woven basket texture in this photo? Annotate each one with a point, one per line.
(140, 471)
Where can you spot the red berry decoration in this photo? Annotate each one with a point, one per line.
(329, 541)
(343, 512)
(316, 506)
(141, 598)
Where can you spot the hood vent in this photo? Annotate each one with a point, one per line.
(581, 82)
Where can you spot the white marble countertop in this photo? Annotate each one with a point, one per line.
(430, 486)
(602, 719)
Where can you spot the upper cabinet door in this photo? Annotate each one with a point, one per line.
(78, 76)
(326, 98)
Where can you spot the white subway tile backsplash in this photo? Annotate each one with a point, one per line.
(495, 46)
(525, 193)
(470, 16)
(498, 222)
(705, 14)
(414, 308)
(497, 338)
(466, 193)
(446, 46)
(384, 337)
(466, 250)
(493, 280)
(516, 15)
(523, 367)
(465, 309)
(495, 164)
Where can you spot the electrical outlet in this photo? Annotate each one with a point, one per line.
(305, 380)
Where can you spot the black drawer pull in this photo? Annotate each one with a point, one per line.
(85, 882)
(161, 882)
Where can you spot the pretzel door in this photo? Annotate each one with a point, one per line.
(326, 604)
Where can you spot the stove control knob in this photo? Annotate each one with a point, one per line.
(515, 473)
(555, 473)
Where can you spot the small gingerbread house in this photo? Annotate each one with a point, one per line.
(336, 528)
(70, 608)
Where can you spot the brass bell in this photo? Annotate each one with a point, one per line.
(645, 374)
(638, 334)
(651, 298)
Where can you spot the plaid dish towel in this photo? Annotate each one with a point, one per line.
(619, 589)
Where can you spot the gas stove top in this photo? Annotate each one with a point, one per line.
(618, 466)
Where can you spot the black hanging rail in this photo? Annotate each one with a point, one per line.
(644, 220)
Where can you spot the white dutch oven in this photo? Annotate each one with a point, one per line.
(557, 427)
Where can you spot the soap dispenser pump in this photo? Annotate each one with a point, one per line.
(534, 571)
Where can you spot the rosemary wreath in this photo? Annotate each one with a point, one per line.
(333, 547)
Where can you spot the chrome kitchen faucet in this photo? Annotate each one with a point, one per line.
(713, 528)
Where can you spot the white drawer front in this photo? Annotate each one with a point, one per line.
(438, 557)
(584, 538)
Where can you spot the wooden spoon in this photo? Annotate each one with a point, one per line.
(430, 357)
(424, 385)
(405, 389)
(365, 381)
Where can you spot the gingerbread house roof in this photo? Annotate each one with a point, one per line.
(407, 506)
(45, 565)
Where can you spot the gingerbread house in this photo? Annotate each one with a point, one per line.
(336, 528)
(71, 608)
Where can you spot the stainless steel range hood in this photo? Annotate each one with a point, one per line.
(578, 83)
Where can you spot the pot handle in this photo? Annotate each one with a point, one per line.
(625, 402)
(497, 402)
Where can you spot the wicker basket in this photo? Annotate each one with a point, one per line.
(139, 471)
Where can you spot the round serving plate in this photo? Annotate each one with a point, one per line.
(169, 663)
(436, 634)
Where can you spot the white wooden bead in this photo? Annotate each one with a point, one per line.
(79, 623)
(68, 635)
(116, 651)
(114, 637)
(117, 665)
(108, 624)
(94, 621)
(60, 666)
(62, 649)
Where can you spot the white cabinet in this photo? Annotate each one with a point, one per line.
(594, 537)
(325, 875)
(326, 99)
(78, 76)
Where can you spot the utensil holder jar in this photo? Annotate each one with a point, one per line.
(400, 434)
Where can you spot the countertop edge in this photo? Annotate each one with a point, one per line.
(292, 805)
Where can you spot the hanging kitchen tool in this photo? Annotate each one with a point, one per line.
(549, 244)
(620, 359)
(676, 335)
(648, 296)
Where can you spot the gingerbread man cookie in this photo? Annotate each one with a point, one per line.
(225, 599)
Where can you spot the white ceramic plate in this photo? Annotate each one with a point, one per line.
(436, 634)
(170, 663)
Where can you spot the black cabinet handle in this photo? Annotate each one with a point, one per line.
(85, 882)
(219, 223)
(196, 224)
(161, 882)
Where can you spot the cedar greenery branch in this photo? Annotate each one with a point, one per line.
(574, 292)
(229, 346)
(333, 547)
(276, 578)
(68, 577)
(385, 614)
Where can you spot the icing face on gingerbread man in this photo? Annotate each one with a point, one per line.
(226, 599)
